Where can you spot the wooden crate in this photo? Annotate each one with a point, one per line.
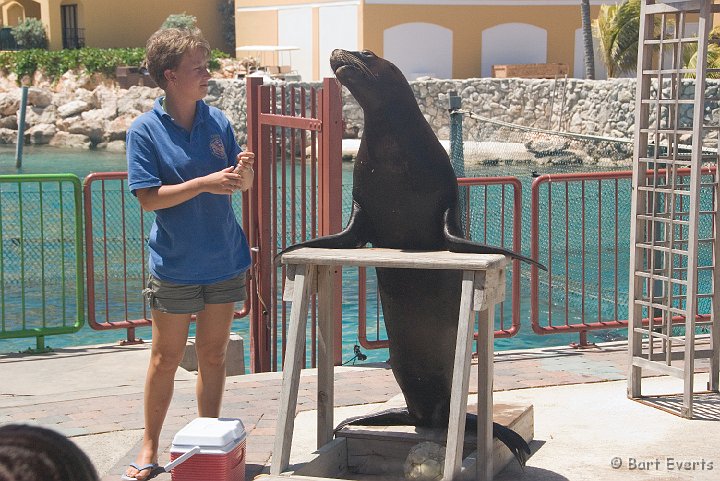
(530, 70)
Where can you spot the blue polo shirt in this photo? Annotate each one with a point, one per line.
(198, 241)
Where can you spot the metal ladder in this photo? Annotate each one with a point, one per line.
(674, 232)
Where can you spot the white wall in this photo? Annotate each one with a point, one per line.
(295, 28)
(579, 58)
(419, 49)
(511, 43)
(338, 29)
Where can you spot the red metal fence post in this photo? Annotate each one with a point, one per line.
(259, 218)
(330, 184)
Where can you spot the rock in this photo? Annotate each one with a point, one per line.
(70, 141)
(137, 99)
(66, 123)
(8, 136)
(78, 79)
(88, 128)
(37, 115)
(9, 122)
(105, 98)
(40, 134)
(72, 108)
(39, 97)
(94, 115)
(115, 146)
(425, 462)
(117, 128)
(9, 103)
(66, 96)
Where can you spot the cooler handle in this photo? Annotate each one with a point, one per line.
(172, 464)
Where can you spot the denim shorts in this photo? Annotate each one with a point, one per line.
(174, 298)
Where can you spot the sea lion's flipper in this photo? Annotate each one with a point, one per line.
(456, 243)
(514, 442)
(401, 417)
(388, 417)
(354, 235)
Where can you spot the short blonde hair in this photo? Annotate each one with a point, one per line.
(165, 48)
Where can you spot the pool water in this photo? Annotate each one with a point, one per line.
(39, 160)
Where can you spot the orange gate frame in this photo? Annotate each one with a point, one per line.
(263, 118)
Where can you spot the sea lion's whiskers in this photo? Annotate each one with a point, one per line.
(353, 61)
(364, 68)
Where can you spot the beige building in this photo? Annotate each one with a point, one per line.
(444, 39)
(110, 23)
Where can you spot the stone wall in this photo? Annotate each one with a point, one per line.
(81, 112)
(604, 108)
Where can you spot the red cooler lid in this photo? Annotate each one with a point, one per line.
(210, 432)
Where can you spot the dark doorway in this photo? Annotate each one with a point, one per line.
(73, 37)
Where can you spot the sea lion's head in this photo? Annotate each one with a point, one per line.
(372, 80)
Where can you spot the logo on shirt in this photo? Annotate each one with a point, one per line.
(217, 147)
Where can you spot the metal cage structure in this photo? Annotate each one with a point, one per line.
(674, 234)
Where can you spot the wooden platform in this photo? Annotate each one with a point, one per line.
(314, 270)
(378, 453)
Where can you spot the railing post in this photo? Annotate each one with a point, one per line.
(21, 128)
(457, 156)
(258, 225)
(330, 187)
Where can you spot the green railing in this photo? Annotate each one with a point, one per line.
(41, 256)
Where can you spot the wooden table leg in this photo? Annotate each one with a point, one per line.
(461, 380)
(486, 337)
(292, 364)
(326, 351)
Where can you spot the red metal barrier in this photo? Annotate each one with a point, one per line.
(590, 247)
(116, 271)
(286, 124)
(123, 321)
(504, 183)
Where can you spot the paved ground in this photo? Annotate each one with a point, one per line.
(582, 417)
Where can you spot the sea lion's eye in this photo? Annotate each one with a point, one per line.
(367, 53)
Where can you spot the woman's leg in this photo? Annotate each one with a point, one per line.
(169, 337)
(211, 339)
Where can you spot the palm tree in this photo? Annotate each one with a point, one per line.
(587, 39)
(713, 55)
(604, 32)
(618, 27)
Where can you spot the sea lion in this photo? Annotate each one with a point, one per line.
(405, 196)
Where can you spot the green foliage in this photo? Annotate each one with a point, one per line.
(179, 20)
(54, 63)
(603, 31)
(30, 34)
(713, 55)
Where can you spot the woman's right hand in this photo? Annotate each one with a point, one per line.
(223, 182)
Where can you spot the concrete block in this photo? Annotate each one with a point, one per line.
(234, 358)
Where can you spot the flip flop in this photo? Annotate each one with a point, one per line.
(154, 468)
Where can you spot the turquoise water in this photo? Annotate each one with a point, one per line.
(49, 160)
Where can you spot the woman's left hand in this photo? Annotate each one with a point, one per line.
(244, 169)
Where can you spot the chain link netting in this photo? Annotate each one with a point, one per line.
(39, 269)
